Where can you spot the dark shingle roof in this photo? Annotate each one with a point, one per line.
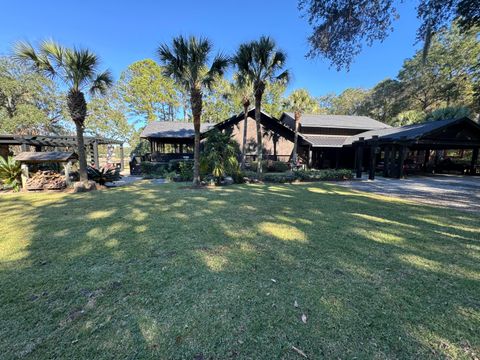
(172, 129)
(325, 140)
(408, 132)
(338, 121)
(47, 156)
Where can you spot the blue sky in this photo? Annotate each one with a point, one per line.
(122, 32)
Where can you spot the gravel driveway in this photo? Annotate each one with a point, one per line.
(453, 191)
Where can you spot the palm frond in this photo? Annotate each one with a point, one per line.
(101, 83)
(263, 49)
(76, 67)
(53, 51)
(186, 61)
(25, 53)
(80, 66)
(219, 65)
(259, 62)
(243, 60)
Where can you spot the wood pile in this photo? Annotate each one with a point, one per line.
(46, 180)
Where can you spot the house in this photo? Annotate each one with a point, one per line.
(330, 141)
(323, 137)
(174, 139)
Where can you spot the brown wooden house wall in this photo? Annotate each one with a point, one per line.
(284, 147)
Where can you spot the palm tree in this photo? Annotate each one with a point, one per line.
(260, 62)
(186, 61)
(243, 90)
(299, 102)
(78, 70)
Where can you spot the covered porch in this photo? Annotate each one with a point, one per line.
(444, 146)
(170, 140)
(164, 150)
(325, 152)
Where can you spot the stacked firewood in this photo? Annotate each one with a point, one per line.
(46, 180)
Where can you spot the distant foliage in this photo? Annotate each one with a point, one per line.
(449, 113)
(219, 102)
(10, 173)
(148, 93)
(342, 27)
(29, 101)
(408, 117)
(448, 79)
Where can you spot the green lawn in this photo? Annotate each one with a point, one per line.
(164, 272)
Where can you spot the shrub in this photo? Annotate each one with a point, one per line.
(150, 168)
(279, 178)
(186, 170)
(174, 165)
(220, 156)
(323, 175)
(238, 177)
(171, 176)
(10, 173)
(103, 175)
(271, 166)
(277, 166)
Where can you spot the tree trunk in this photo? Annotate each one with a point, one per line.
(77, 106)
(295, 142)
(196, 104)
(82, 160)
(246, 104)
(258, 116)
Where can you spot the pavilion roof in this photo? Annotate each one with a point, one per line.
(31, 157)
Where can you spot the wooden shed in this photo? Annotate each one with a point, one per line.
(27, 158)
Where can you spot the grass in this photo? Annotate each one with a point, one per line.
(163, 272)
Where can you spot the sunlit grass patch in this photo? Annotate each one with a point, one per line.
(282, 231)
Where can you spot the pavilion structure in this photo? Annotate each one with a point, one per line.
(39, 143)
(398, 149)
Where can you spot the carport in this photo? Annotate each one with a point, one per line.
(420, 146)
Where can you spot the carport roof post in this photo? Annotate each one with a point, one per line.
(373, 157)
(359, 157)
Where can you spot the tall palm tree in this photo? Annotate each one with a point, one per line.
(299, 102)
(78, 70)
(243, 91)
(186, 61)
(260, 62)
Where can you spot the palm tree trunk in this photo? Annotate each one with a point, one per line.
(196, 151)
(295, 142)
(258, 117)
(77, 107)
(244, 142)
(196, 104)
(82, 160)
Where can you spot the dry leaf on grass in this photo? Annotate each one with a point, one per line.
(300, 352)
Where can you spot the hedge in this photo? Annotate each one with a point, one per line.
(306, 175)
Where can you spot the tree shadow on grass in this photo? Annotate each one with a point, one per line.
(156, 272)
